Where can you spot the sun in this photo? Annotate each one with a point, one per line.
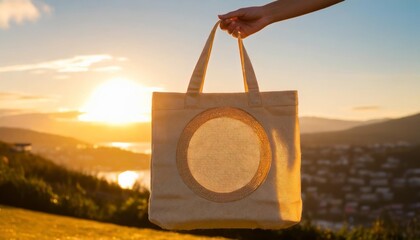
(118, 101)
(127, 179)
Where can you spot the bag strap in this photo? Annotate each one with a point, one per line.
(197, 79)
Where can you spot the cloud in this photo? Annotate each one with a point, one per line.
(366, 108)
(67, 115)
(20, 11)
(14, 96)
(69, 65)
(109, 69)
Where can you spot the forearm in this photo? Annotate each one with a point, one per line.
(285, 9)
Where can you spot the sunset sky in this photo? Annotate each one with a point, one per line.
(356, 60)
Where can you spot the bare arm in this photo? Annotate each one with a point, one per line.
(252, 19)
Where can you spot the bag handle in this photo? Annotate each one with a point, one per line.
(197, 79)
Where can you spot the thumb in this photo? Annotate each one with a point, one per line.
(234, 14)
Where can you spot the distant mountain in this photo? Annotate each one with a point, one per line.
(37, 139)
(66, 124)
(406, 129)
(76, 154)
(317, 124)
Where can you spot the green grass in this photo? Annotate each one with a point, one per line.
(16, 223)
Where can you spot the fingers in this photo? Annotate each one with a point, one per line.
(233, 28)
(224, 24)
(235, 14)
(232, 22)
(237, 32)
(229, 25)
(229, 18)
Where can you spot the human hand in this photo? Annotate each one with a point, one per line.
(244, 21)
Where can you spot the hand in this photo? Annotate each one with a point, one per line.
(244, 21)
(247, 21)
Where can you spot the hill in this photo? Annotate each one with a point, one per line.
(37, 139)
(14, 224)
(67, 124)
(33, 182)
(76, 154)
(406, 129)
(317, 124)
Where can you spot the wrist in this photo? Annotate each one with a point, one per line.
(269, 14)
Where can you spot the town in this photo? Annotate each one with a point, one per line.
(357, 184)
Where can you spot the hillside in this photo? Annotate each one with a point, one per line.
(317, 124)
(406, 129)
(33, 182)
(67, 124)
(76, 154)
(14, 224)
(37, 139)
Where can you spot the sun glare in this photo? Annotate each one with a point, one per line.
(127, 179)
(118, 101)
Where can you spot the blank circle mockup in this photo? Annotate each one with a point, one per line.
(223, 154)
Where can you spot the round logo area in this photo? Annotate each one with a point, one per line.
(223, 154)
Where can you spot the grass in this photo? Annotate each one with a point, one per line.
(16, 223)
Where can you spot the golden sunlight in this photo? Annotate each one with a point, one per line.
(127, 179)
(118, 101)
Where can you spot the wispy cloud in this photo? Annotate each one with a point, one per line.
(366, 108)
(109, 69)
(20, 11)
(69, 65)
(67, 115)
(14, 96)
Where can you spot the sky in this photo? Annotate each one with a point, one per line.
(356, 60)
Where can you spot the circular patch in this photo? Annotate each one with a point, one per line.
(223, 154)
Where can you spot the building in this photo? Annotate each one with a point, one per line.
(22, 147)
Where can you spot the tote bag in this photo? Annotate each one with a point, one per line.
(225, 160)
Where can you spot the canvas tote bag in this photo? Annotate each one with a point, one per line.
(225, 160)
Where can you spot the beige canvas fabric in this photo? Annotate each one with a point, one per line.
(225, 160)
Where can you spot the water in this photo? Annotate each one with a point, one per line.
(126, 179)
(137, 147)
